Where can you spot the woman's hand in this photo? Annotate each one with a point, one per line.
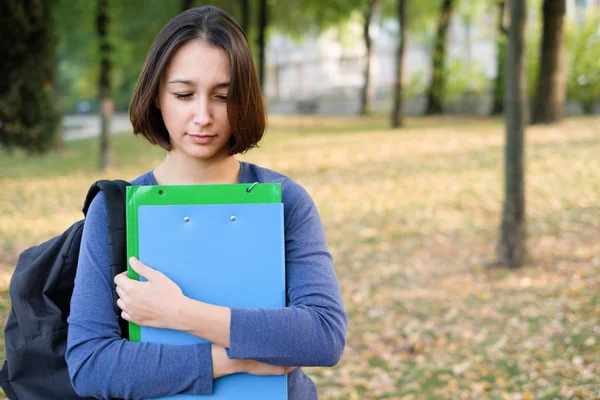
(160, 303)
(154, 303)
(223, 365)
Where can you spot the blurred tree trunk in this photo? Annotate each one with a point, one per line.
(370, 27)
(29, 117)
(398, 110)
(503, 14)
(245, 15)
(59, 144)
(186, 4)
(588, 107)
(551, 88)
(436, 88)
(263, 23)
(511, 246)
(105, 95)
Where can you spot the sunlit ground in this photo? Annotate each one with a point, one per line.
(412, 219)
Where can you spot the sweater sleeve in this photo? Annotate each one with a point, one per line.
(103, 365)
(311, 331)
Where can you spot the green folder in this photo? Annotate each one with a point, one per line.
(222, 244)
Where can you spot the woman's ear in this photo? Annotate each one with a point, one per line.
(156, 102)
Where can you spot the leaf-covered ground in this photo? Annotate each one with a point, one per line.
(412, 219)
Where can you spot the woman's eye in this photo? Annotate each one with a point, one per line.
(183, 96)
(221, 97)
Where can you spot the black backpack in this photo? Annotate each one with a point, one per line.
(40, 293)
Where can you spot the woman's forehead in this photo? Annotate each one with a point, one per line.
(198, 63)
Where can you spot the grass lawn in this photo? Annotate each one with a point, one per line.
(412, 219)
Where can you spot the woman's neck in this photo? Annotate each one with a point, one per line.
(177, 171)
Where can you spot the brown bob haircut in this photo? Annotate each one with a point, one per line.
(245, 107)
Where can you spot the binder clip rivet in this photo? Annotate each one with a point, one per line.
(232, 218)
(186, 219)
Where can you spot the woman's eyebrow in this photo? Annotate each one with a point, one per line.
(222, 85)
(187, 82)
(182, 81)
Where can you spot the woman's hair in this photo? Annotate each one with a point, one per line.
(245, 108)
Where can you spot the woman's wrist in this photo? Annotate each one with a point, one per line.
(204, 320)
(179, 320)
(223, 365)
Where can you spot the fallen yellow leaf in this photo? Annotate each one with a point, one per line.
(453, 385)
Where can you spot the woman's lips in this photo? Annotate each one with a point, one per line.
(203, 139)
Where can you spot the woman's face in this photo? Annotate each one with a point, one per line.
(193, 101)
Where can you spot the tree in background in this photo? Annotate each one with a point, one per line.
(435, 93)
(370, 30)
(501, 39)
(398, 110)
(135, 24)
(133, 27)
(104, 84)
(511, 248)
(583, 83)
(263, 23)
(186, 5)
(245, 15)
(551, 88)
(28, 118)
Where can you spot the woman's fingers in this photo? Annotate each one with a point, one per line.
(142, 269)
(120, 292)
(121, 279)
(126, 316)
(121, 304)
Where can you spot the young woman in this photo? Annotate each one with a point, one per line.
(198, 98)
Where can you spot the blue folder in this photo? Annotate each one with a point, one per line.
(225, 254)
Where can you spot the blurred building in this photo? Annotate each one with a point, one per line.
(321, 76)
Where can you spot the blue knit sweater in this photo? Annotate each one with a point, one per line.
(311, 331)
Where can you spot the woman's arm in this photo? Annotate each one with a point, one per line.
(310, 332)
(159, 303)
(223, 365)
(103, 365)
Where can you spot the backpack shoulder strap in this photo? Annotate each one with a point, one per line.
(114, 203)
(110, 191)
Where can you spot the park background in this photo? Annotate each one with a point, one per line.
(412, 176)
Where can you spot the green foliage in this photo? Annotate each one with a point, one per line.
(533, 34)
(464, 78)
(423, 17)
(77, 52)
(470, 12)
(301, 18)
(582, 47)
(133, 26)
(415, 86)
(583, 61)
(27, 115)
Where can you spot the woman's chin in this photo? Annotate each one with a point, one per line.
(199, 152)
(203, 154)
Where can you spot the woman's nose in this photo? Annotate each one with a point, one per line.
(202, 113)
